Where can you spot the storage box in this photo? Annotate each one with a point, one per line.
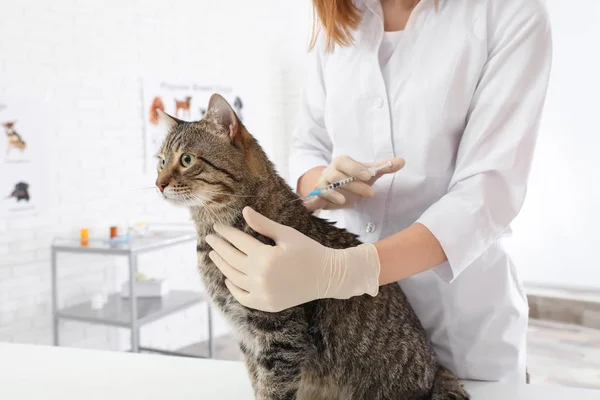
(147, 288)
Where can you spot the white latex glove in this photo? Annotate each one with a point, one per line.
(343, 167)
(294, 271)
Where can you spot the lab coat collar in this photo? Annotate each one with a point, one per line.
(375, 6)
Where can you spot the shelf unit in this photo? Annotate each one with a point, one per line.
(132, 312)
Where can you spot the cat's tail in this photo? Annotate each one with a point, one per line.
(447, 386)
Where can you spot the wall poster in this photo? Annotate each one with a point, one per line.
(22, 138)
(184, 100)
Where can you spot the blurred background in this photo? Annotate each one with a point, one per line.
(76, 79)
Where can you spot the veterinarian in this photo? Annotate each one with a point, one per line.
(456, 89)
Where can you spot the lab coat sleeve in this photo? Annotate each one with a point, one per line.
(311, 145)
(493, 162)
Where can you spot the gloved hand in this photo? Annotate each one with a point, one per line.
(294, 271)
(343, 167)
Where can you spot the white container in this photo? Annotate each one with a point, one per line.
(147, 288)
(98, 301)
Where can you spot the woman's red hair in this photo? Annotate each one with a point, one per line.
(338, 18)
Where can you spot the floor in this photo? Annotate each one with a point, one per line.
(570, 306)
(559, 354)
(564, 354)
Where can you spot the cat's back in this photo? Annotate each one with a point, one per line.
(361, 316)
(329, 235)
(284, 207)
(382, 331)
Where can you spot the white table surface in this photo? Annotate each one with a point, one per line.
(41, 372)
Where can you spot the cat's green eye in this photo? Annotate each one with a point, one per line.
(161, 163)
(187, 160)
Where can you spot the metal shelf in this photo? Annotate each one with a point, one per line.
(131, 312)
(155, 240)
(117, 310)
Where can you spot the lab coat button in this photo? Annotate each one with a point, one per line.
(370, 228)
(378, 102)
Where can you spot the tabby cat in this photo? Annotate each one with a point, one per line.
(362, 348)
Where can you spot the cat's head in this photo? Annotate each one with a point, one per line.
(8, 125)
(213, 163)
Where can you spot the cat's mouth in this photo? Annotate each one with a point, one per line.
(184, 198)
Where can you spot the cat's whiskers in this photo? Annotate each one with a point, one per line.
(214, 214)
(205, 200)
(192, 199)
(226, 194)
(215, 218)
(224, 206)
(202, 203)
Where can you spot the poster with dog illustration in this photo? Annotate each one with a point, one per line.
(22, 138)
(186, 101)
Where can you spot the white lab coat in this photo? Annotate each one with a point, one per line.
(460, 99)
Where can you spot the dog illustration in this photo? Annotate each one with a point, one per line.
(14, 139)
(157, 103)
(184, 106)
(20, 192)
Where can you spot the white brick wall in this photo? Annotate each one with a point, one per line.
(83, 60)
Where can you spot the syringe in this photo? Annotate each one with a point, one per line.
(338, 184)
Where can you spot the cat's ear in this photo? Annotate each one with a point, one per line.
(221, 113)
(166, 121)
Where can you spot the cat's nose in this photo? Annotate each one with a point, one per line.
(161, 186)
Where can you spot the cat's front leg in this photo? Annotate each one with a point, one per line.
(277, 377)
(268, 384)
(283, 347)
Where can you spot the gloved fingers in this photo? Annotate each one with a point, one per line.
(240, 295)
(316, 203)
(331, 175)
(238, 278)
(226, 251)
(247, 299)
(334, 197)
(351, 167)
(358, 187)
(264, 225)
(241, 240)
(349, 200)
(397, 165)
